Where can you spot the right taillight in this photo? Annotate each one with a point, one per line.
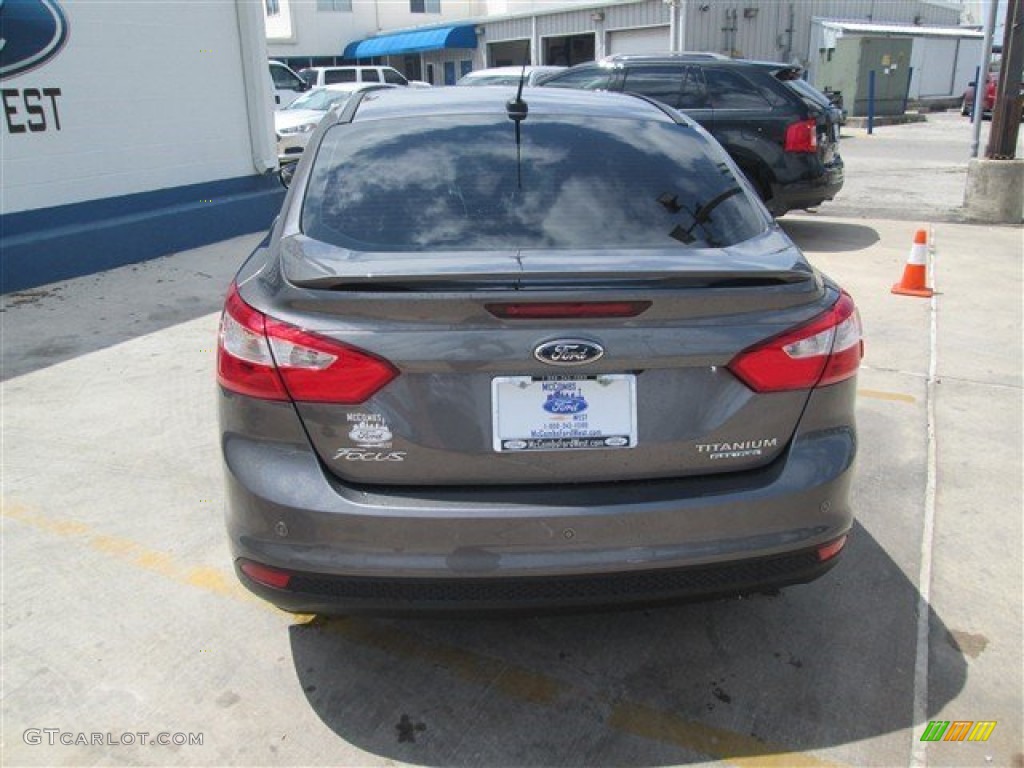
(824, 351)
(262, 357)
(802, 136)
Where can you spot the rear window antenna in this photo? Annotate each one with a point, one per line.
(516, 108)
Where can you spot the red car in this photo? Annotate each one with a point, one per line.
(988, 98)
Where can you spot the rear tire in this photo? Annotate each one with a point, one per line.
(760, 180)
(965, 109)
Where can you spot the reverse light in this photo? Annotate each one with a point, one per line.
(262, 357)
(802, 136)
(824, 351)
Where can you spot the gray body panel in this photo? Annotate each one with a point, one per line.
(796, 502)
(448, 347)
(412, 486)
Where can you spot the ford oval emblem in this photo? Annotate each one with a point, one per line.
(31, 33)
(568, 352)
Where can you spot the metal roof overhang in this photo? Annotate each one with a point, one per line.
(899, 29)
(415, 41)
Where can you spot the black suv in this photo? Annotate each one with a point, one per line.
(782, 133)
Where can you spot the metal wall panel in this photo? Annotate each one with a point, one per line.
(934, 62)
(508, 29)
(649, 13)
(628, 15)
(646, 40)
(754, 29)
(727, 26)
(571, 23)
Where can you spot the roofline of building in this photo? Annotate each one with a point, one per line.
(595, 5)
(901, 28)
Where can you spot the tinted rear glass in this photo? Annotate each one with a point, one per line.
(730, 90)
(455, 183)
(809, 93)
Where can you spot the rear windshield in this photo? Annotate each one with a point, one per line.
(320, 100)
(809, 93)
(489, 80)
(461, 183)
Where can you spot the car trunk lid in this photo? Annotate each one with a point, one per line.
(479, 399)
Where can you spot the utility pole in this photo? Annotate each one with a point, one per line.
(1006, 113)
(995, 183)
(980, 80)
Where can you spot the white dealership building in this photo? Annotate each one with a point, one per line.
(130, 130)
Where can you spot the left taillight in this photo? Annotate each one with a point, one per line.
(802, 136)
(244, 362)
(262, 357)
(824, 351)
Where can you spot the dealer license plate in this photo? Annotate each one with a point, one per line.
(563, 413)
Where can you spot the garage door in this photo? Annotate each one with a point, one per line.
(648, 40)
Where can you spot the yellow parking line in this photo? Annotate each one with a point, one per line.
(875, 394)
(129, 551)
(733, 747)
(515, 682)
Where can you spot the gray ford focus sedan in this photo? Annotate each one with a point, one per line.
(529, 351)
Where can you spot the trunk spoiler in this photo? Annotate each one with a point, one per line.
(770, 259)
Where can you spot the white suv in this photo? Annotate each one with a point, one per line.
(317, 76)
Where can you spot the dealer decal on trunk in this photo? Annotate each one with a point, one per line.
(369, 430)
(372, 434)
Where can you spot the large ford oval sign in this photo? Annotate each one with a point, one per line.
(31, 33)
(568, 352)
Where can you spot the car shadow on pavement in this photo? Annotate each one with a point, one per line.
(809, 668)
(828, 236)
(53, 323)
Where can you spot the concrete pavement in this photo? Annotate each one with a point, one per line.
(122, 615)
(908, 171)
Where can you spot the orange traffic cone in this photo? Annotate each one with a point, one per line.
(914, 282)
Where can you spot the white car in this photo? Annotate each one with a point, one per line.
(508, 75)
(294, 124)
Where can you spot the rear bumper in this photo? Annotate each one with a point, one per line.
(327, 594)
(361, 549)
(798, 195)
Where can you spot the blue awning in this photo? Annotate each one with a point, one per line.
(462, 36)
